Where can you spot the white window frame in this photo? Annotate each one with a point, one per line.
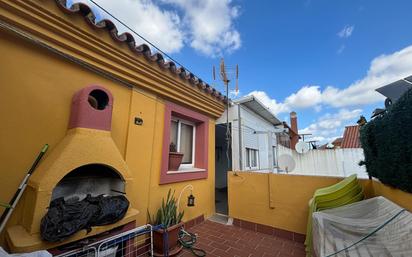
(250, 151)
(185, 166)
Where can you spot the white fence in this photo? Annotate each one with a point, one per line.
(330, 162)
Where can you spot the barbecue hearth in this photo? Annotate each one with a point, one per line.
(85, 161)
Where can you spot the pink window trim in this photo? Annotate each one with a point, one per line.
(201, 147)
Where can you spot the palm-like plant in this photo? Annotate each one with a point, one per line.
(167, 214)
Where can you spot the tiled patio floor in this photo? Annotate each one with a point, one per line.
(226, 241)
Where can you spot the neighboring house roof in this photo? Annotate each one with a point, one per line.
(86, 12)
(351, 137)
(395, 89)
(337, 143)
(377, 112)
(259, 108)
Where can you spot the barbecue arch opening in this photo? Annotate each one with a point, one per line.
(93, 179)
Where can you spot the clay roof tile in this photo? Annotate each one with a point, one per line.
(85, 11)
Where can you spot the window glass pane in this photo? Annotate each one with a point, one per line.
(186, 142)
(274, 156)
(173, 132)
(254, 152)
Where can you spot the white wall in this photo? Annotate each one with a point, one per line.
(329, 162)
(262, 140)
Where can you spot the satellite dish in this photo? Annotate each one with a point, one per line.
(286, 163)
(302, 147)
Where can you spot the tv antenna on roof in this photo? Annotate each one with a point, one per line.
(226, 73)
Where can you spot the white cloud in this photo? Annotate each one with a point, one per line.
(233, 93)
(341, 48)
(307, 96)
(346, 31)
(272, 104)
(210, 23)
(383, 69)
(330, 126)
(161, 27)
(206, 26)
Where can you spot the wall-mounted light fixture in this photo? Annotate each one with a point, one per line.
(190, 198)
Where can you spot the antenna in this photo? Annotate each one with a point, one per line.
(226, 73)
(214, 73)
(223, 75)
(237, 79)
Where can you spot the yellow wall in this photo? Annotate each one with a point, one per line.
(36, 88)
(397, 196)
(250, 194)
(281, 200)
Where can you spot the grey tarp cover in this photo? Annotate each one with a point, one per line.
(43, 253)
(338, 228)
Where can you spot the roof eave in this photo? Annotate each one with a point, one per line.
(263, 111)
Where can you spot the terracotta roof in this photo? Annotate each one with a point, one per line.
(351, 137)
(143, 49)
(337, 142)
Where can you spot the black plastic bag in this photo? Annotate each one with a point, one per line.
(111, 210)
(65, 218)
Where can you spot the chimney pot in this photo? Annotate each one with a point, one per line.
(294, 126)
(91, 108)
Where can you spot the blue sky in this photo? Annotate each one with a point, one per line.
(321, 58)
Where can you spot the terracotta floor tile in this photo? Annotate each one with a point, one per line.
(220, 240)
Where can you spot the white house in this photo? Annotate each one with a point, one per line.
(252, 129)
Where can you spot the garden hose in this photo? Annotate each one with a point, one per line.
(188, 240)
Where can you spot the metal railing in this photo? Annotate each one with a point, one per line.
(132, 243)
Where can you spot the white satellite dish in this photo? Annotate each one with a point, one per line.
(286, 163)
(302, 147)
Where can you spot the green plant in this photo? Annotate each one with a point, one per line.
(386, 144)
(167, 214)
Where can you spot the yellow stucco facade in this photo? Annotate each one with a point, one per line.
(46, 56)
(281, 200)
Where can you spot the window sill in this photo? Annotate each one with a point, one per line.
(252, 168)
(183, 175)
(186, 170)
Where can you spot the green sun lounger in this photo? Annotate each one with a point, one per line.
(345, 192)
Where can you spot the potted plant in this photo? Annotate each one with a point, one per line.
(171, 222)
(175, 158)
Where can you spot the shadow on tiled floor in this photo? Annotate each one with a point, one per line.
(227, 241)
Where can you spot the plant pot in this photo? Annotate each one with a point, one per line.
(175, 159)
(172, 240)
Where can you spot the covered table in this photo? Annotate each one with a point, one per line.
(374, 227)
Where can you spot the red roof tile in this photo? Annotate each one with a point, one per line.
(337, 142)
(351, 137)
(87, 13)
